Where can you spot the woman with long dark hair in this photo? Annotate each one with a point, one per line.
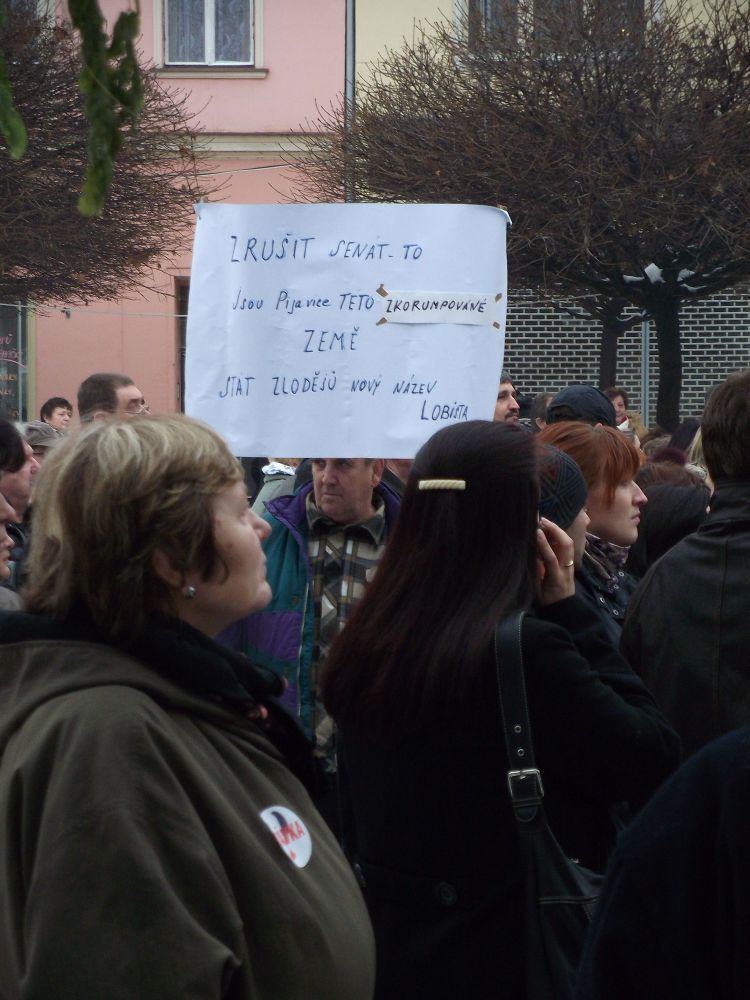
(411, 683)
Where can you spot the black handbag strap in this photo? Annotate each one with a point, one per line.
(524, 779)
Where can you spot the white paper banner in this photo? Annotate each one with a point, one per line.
(297, 346)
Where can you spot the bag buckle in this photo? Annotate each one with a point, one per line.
(526, 785)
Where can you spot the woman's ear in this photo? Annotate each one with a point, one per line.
(165, 569)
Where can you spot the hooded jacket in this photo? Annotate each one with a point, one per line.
(153, 842)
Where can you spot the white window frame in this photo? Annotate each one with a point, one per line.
(256, 39)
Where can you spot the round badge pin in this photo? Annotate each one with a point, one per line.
(290, 832)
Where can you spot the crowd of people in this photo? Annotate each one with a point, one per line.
(257, 751)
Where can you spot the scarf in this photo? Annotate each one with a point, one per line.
(605, 560)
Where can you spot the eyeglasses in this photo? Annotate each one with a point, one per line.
(137, 406)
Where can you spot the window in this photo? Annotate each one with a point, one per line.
(13, 370)
(497, 21)
(627, 19)
(618, 19)
(208, 32)
(495, 18)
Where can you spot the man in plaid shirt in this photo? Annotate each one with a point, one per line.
(324, 545)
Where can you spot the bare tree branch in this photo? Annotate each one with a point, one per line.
(618, 142)
(48, 251)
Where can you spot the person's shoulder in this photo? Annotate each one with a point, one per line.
(391, 498)
(106, 711)
(668, 572)
(9, 600)
(724, 761)
(708, 792)
(287, 511)
(391, 487)
(92, 734)
(550, 625)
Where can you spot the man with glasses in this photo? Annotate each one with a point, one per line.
(106, 394)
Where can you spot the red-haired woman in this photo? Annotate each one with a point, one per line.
(609, 463)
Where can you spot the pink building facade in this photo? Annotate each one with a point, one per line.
(254, 70)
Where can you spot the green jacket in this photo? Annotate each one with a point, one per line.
(153, 845)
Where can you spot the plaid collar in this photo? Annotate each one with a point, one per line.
(320, 524)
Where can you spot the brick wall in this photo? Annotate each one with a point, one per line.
(546, 349)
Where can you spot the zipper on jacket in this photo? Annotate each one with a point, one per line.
(299, 653)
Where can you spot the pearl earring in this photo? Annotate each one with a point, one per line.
(189, 591)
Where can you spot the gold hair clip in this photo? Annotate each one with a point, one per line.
(442, 484)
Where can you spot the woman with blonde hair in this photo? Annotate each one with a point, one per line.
(154, 840)
(609, 463)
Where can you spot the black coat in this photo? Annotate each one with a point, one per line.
(674, 917)
(434, 833)
(686, 631)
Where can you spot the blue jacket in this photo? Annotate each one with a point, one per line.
(281, 635)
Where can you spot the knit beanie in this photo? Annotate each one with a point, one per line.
(562, 488)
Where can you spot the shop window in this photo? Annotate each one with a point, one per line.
(13, 363)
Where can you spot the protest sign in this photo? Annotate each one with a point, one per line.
(344, 330)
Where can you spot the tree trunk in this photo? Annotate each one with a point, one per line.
(666, 316)
(611, 328)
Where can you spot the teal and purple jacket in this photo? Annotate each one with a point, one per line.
(281, 635)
